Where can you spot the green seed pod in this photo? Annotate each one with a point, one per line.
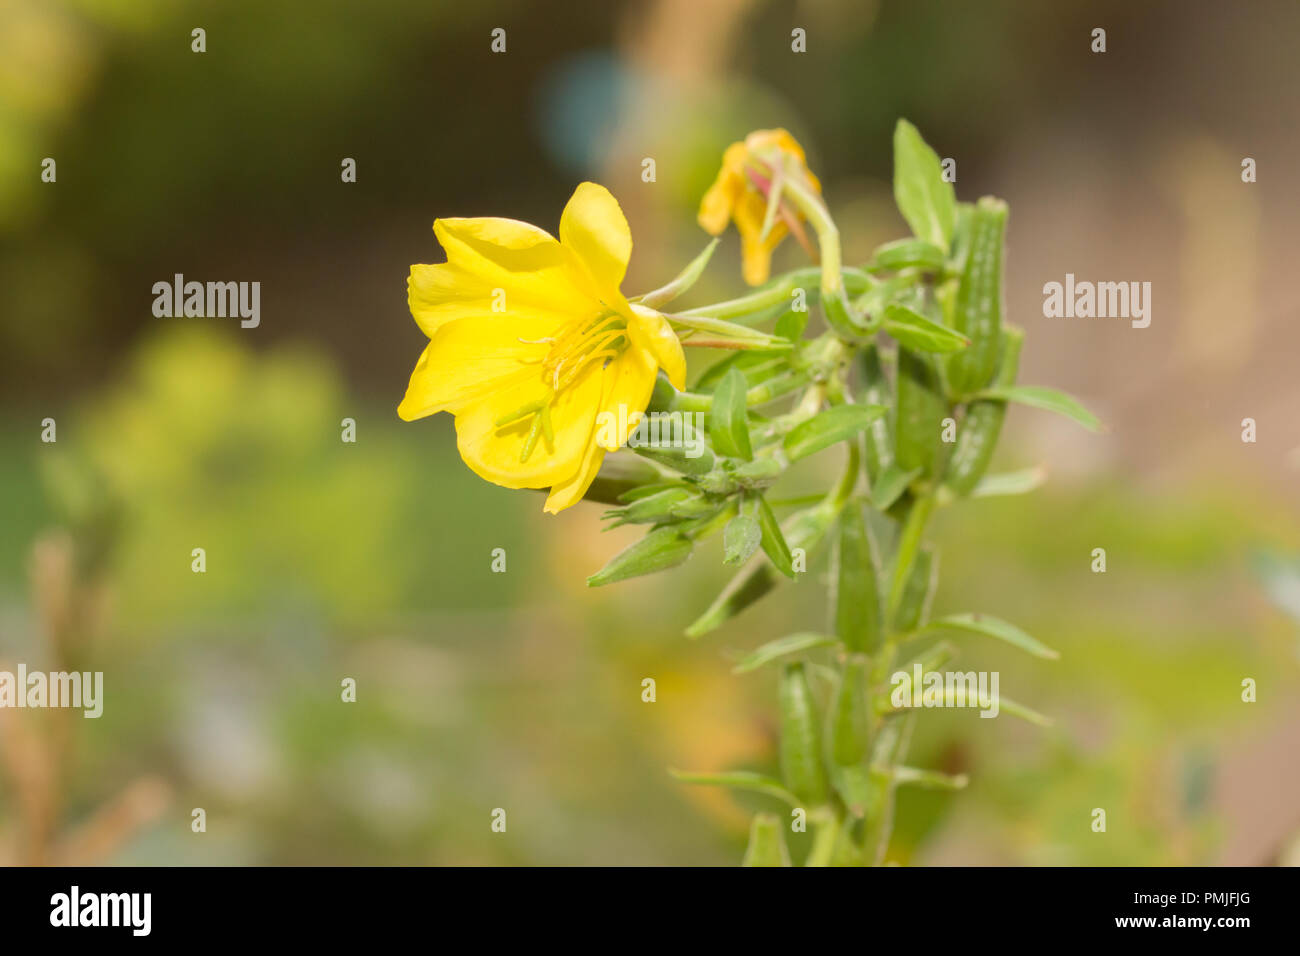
(849, 717)
(875, 391)
(978, 437)
(653, 508)
(857, 583)
(921, 409)
(912, 606)
(978, 313)
(801, 765)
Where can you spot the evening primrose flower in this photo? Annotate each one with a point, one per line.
(533, 348)
(752, 173)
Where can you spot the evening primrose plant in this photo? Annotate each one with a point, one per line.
(557, 380)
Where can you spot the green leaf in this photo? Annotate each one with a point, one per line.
(683, 281)
(907, 254)
(927, 202)
(740, 780)
(915, 331)
(1049, 399)
(853, 783)
(766, 843)
(791, 325)
(826, 428)
(781, 647)
(740, 539)
(660, 549)
(728, 422)
(891, 484)
(929, 779)
(1023, 712)
(997, 628)
(772, 540)
(1010, 483)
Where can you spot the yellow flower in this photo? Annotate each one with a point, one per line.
(533, 348)
(741, 191)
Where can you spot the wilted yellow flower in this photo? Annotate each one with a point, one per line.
(530, 341)
(749, 172)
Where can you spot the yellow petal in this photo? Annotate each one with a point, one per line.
(470, 358)
(630, 380)
(569, 492)
(442, 293)
(720, 200)
(650, 331)
(493, 452)
(528, 263)
(594, 228)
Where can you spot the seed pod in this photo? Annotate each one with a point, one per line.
(912, 607)
(801, 765)
(982, 425)
(921, 409)
(875, 391)
(849, 718)
(857, 583)
(978, 314)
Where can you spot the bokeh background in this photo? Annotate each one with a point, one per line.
(371, 560)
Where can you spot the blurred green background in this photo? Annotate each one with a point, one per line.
(475, 690)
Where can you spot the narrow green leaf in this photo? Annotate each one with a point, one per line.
(891, 484)
(772, 540)
(740, 780)
(728, 422)
(1049, 399)
(915, 331)
(1023, 712)
(996, 628)
(929, 779)
(682, 282)
(1010, 483)
(766, 843)
(791, 325)
(927, 202)
(660, 549)
(835, 424)
(740, 539)
(853, 783)
(781, 647)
